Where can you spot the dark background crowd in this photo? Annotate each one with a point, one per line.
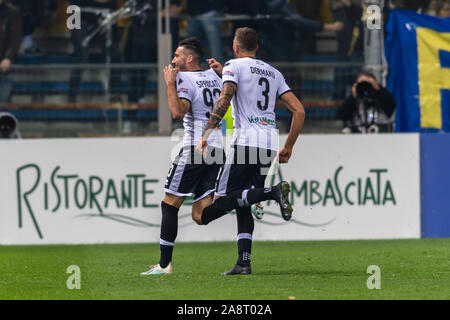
(288, 32)
(287, 27)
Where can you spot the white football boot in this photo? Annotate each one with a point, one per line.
(158, 270)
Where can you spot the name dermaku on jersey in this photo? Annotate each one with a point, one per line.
(201, 89)
(259, 85)
(262, 72)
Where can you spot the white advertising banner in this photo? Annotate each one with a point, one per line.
(109, 191)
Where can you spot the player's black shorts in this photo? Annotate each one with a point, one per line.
(244, 168)
(192, 175)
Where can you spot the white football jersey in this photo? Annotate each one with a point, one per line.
(259, 85)
(201, 89)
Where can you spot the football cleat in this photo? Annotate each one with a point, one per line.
(158, 270)
(237, 269)
(281, 192)
(257, 210)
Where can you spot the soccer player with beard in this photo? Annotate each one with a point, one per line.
(253, 87)
(191, 93)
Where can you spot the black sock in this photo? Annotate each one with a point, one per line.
(212, 213)
(169, 229)
(244, 251)
(246, 225)
(244, 198)
(258, 195)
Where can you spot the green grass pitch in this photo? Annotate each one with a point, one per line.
(410, 269)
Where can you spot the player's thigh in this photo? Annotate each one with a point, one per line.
(184, 175)
(262, 168)
(206, 184)
(235, 173)
(203, 193)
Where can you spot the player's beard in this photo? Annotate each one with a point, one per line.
(181, 66)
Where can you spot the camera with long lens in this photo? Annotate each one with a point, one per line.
(365, 91)
(9, 126)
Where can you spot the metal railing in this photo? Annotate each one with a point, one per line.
(58, 94)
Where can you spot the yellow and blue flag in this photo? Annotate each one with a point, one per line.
(418, 54)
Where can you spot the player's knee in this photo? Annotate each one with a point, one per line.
(198, 220)
(197, 217)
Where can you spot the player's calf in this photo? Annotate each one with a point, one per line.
(248, 197)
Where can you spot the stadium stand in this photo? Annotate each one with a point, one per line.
(41, 83)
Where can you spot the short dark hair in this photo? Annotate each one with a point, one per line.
(247, 38)
(366, 73)
(194, 45)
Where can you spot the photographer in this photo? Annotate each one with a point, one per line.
(369, 108)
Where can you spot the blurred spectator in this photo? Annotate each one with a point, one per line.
(239, 7)
(315, 10)
(250, 8)
(29, 10)
(92, 12)
(142, 47)
(142, 44)
(350, 37)
(349, 42)
(370, 105)
(414, 5)
(10, 38)
(50, 7)
(277, 34)
(204, 20)
(442, 8)
(48, 16)
(176, 8)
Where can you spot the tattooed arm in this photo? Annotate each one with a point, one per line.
(220, 108)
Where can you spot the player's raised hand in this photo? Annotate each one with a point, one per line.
(215, 65)
(284, 155)
(170, 74)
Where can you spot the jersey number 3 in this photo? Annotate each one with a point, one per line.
(263, 82)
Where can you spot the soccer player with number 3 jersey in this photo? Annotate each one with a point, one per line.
(253, 87)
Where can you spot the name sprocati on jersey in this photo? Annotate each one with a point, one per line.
(201, 89)
(259, 85)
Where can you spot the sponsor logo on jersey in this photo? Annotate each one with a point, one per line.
(261, 120)
(229, 73)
